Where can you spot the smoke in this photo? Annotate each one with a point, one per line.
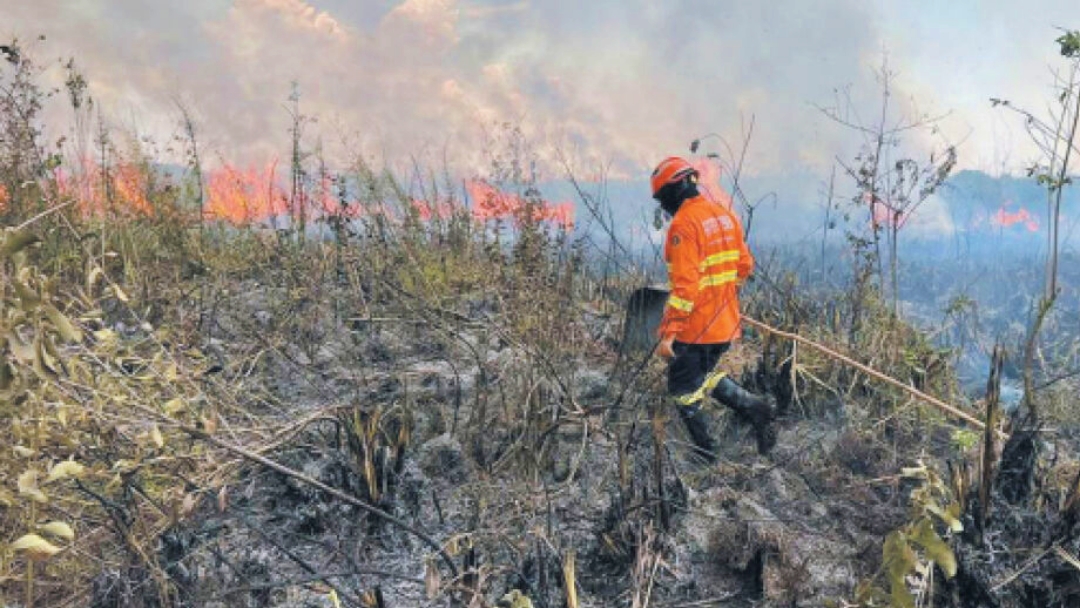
(612, 84)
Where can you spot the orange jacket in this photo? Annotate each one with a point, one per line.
(707, 260)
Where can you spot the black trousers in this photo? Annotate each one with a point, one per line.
(692, 363)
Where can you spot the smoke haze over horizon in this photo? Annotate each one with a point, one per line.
(605, 85)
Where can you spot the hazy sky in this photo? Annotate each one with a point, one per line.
(621, 83)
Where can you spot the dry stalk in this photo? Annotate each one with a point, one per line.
(934, 401)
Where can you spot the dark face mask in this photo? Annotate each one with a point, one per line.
(671, 196)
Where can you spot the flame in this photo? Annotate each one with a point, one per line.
(427, 211)
(118, 189)
(1004, 219)
(491, 203)
(332, 202)
(130, 184)
(244, 196)
(709, 181)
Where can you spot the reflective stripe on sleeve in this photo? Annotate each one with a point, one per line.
(722, 278)
(680, 304)
(731, 255)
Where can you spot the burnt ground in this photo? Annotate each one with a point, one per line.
(511, 489)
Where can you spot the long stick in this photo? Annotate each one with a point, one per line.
(934, 401)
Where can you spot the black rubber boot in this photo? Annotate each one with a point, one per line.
(698, 425)
(760, 411)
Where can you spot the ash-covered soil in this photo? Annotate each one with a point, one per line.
(515, 471)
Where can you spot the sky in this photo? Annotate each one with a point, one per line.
(600, 86)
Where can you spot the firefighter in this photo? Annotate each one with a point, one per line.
(707, 260)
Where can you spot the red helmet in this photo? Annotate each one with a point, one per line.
(671, 170)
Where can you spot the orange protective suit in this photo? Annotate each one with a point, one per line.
(707, 260)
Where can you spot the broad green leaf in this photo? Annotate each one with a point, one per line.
(899, 561)
(936, 549)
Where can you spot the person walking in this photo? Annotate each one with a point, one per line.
(708, 260)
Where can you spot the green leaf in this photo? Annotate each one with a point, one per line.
(1070, 44)
(899, 561)
(936, 549)
(15, 241)
(30, 298)
(63, 325)
(7, 375)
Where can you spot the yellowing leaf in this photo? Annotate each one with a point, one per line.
(59, 529)
(65, 469)
(23, 451)
(155, 436)
(516, 599)
(92, 278)
(41, 363)
(950, 516)
(15, 241)
(918, 472)
(24, 353)
(28, 486)
(105, 336)
(173, 407)
(29, 298)
(36, 548)
(63, 325)
(119, 293)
